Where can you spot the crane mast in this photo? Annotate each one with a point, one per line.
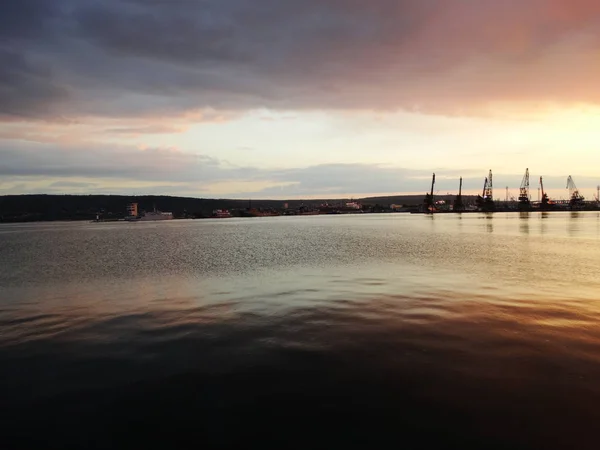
(458, 203)
(429, 203)
(546, 204)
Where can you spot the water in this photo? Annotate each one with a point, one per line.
(475, 331)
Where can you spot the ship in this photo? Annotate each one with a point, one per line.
(156, 215)
(133, 216)
(221, 214)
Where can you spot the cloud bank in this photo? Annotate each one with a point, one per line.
(72, 58)
(64, 169)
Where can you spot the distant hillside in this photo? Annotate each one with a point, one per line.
(24, 208)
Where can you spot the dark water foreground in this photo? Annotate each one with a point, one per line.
(411, 331)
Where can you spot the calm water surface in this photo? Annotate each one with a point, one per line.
(475, 331)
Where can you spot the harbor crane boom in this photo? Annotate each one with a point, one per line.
(573, 191)
(524, 199)
(488, 192)
(486, 201)
(524, 190)
(576, 199)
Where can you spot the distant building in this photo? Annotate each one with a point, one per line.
(132, 210)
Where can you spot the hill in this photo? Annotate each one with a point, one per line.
(39, 207)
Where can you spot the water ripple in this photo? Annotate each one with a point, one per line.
(419, 331)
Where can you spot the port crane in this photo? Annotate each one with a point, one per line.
(545, 200)
(429, 202)
(575, 198)
(524, 199)
(458, 203)
(488, 189)
(486, 201)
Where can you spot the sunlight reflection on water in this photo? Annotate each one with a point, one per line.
(462, 320)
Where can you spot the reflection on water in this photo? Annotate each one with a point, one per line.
(574, 224)
(458, 331)
(524, 217)
(487, 222)
(544, 216)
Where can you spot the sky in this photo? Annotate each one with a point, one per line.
(297, 98)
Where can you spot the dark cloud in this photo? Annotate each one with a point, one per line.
(188, 33)
(128, 57)
(21, 19)
(26, 89)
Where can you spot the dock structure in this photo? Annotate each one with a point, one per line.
(486, 203)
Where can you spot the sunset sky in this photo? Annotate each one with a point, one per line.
(297, 98)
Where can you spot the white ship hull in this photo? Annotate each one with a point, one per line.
(153, 216)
